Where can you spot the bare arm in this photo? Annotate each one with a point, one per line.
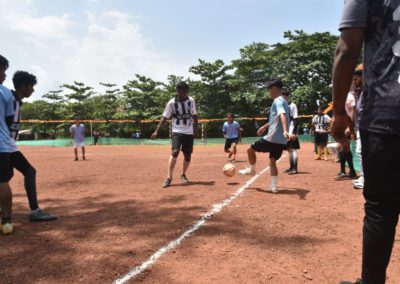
(262, 129)
(284, 125)
(162, 121)
(347, 52)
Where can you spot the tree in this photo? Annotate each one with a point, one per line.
(212, 92)
(77, 94)
(140, 97)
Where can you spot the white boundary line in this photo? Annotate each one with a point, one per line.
(216, 208)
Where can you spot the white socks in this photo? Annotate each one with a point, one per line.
(253, 168)
(274, 182)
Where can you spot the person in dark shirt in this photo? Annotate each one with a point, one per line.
(376, 26)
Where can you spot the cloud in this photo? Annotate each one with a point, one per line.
(86, 47)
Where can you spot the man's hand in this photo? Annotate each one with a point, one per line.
(289, 136)
(340, 123)
(154, 135)
(261, 130)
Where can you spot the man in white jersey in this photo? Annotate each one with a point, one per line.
(78, 137)
(182, 109)
(321, 123)
(24, 87)
(293, 145)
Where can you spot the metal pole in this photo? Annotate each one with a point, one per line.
(170, 131)
(91, 132)
(202, 133)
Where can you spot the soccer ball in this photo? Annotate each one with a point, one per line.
(229, 170)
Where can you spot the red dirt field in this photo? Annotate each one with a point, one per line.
(114, 215)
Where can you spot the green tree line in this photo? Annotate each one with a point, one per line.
(304, 62)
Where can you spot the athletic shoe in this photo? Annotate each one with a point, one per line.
(233, 160)
(317, 158)
(7, 228)
(184, 179)
(247, 171)
(230, 155)
(288, 170)
(293, 172)
(166, 182)
(76, 159)
(358, 185)
(341, 175)
(272, 190)
(353, 175)
(359, 180)
(83, 158)
(39, 215)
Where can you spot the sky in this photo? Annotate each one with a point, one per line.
(110, 41)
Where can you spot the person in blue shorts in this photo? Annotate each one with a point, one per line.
(233, 135)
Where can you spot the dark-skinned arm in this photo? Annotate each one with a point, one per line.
(155, 133)
(347, 53)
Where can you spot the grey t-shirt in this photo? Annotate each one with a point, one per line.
(275, 131)
(381, 94)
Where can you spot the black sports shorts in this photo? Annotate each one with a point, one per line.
(6, 169)
(182, 142)
(293, 144)
(275, 150)
(230, 141)
(321, 138)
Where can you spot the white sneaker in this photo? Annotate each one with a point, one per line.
(272, 190)
(359, 185)
(247, 171)
(359, 180)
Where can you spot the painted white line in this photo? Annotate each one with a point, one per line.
(216, 208)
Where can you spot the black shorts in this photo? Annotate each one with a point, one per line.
(293, 144)
(19, 162)
(6, 170)
(321, 138)
(230, 141)
(264, 146)
(182, 142)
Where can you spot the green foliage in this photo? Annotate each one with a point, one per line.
(304, 62)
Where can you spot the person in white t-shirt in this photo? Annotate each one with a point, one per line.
(78, 137)
(293, 144)
(182, 109)
(321, 123)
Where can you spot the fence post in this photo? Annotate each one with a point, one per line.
(91, 132)
(170, 131)
(202, 133)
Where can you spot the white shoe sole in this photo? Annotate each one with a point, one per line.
(272, 190)
(247, 173)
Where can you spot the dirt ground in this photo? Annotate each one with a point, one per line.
(114, 215)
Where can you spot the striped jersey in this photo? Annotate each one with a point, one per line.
(321, 123)
(16, 124)
(182, 115)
